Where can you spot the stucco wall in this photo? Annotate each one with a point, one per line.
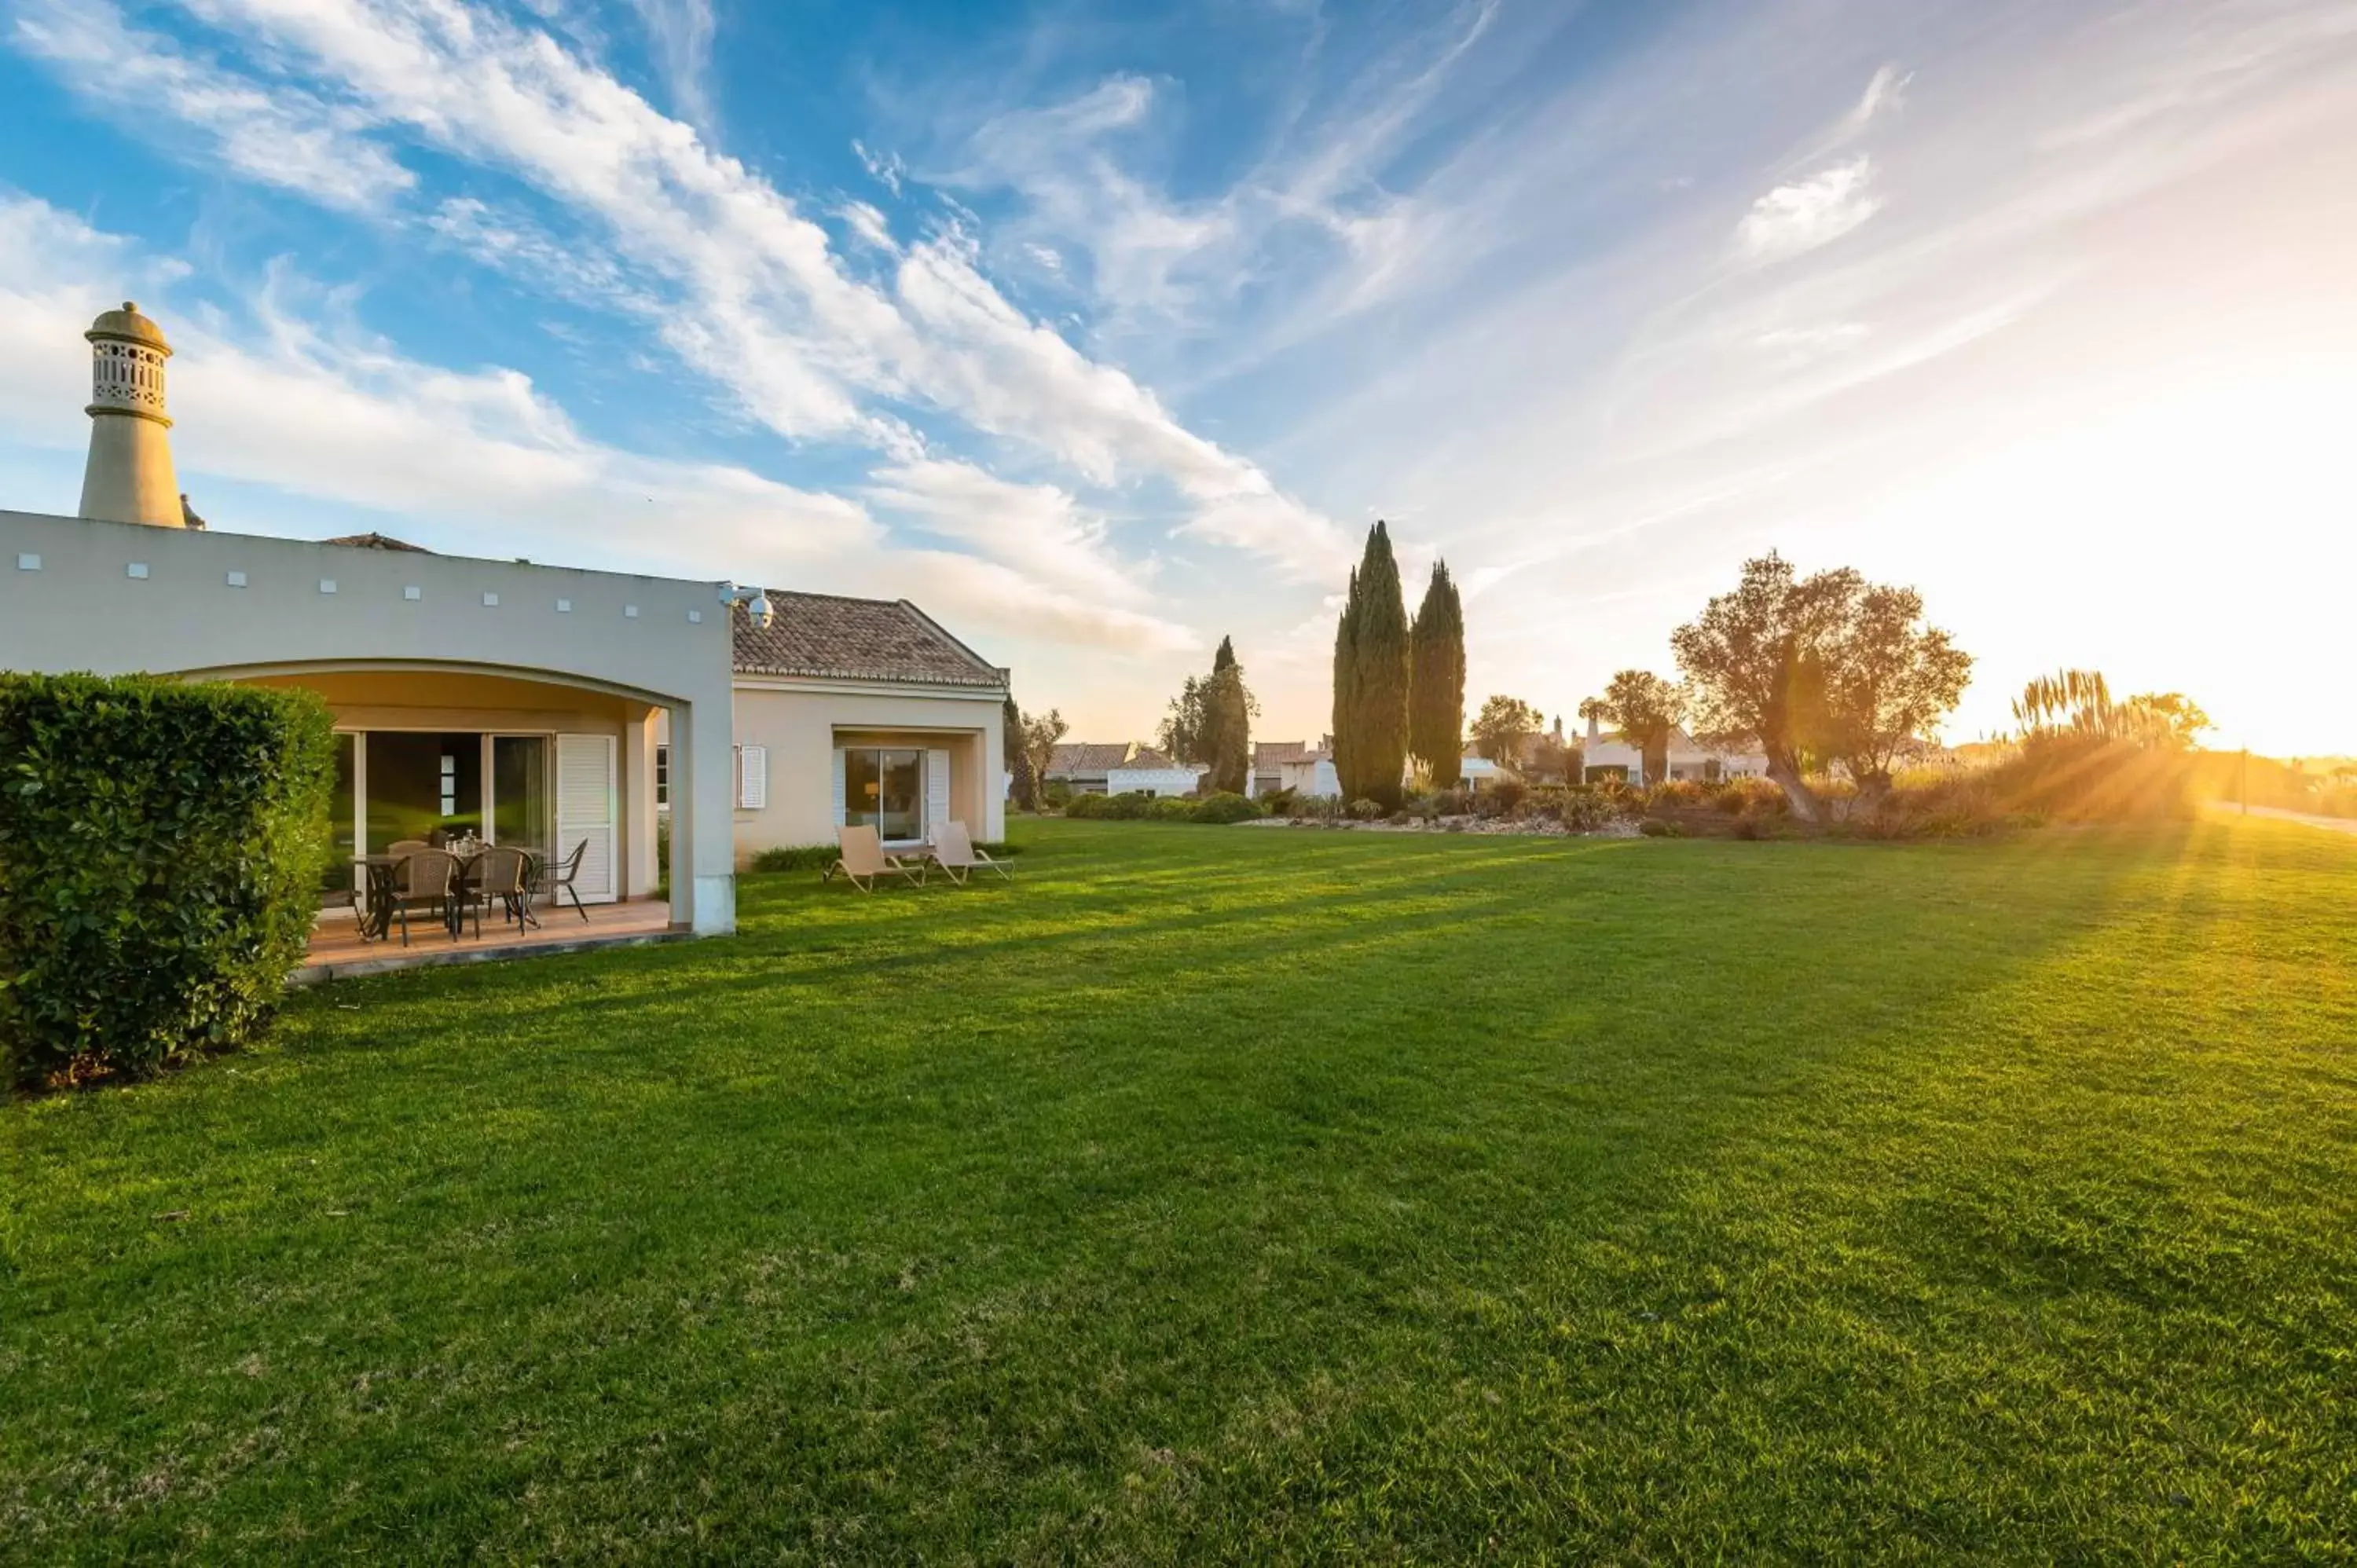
(118, 598)
(1160, 780)
(802, 722)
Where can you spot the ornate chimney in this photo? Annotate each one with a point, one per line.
(129, 477)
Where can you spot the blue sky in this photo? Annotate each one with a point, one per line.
(1102, 331)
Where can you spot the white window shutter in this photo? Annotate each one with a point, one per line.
(585, 811)
(838, 786)
(937, 791)
(753, 778)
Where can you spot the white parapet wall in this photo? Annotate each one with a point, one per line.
(115, 598)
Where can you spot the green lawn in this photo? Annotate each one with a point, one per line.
(1229, 1193)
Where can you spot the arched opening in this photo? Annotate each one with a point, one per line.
(466, 754)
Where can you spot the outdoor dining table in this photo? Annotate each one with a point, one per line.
(383, 873)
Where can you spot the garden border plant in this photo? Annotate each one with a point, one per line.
(161, 844)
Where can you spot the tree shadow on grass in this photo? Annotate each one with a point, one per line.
(941, 1239)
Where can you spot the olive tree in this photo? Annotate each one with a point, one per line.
(1816, 670)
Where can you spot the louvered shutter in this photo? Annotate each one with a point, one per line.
(937, 791)
(585, 811)
(753, 777)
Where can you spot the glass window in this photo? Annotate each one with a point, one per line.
(420, 786)
(884, 788)
(339, 872)
(662, 776)
(520, 794)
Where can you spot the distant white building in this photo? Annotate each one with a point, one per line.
(1120, 767)
(1294, 764)
(1689, 759)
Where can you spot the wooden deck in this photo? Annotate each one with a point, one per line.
(338, 952)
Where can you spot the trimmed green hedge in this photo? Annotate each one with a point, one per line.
(161, 843)
(1141, 807)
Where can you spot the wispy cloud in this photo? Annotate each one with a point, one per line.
(758, 300)
(276, 134)
(682, 32)
(293, 397)
(1806, 213)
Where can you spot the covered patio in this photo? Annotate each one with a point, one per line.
(338, 951)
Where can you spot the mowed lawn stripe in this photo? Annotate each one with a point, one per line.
(1251, 1193)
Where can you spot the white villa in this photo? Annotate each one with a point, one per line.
(531, 705)
(1689, 759)
(1120, 767)
(1295, 764)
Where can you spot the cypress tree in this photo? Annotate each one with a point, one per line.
(1371, 695)
(1228, 709)
(1346, 684)
(1436, 680)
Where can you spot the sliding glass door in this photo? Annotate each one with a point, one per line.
(884, 788)
(394, 786)
(522, 811)
(422, 788)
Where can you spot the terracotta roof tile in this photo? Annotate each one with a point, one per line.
(858, 639)
(1088, 757)
(366, 541)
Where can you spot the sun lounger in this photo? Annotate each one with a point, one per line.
(955, 852)
(864, 860)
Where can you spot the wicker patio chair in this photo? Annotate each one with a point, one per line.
(499, 876)
(427, 877)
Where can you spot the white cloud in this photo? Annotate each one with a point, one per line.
(1037, 529)
(885, 169)
(482, 460)
(1807, 213)
(1886, 93)
(278, 135)
(682, 31)
(868, 225)
(1000, 599)
(758, 298)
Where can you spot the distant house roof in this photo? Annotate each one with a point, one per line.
(1269, 753)
(368, 540)
(1144, 758)
(1086, 756)
(858, 639)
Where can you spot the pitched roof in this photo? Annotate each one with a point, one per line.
(1152, 761)
(1269, 753)
(858, 639)
(1088, 757)
(366, 541)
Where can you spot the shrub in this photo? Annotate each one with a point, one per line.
(795, 857)
(1656, 827)
(1169, 808)
(1279, 802)
(1585, 811)
(161, 844)
(1226, 806)
(1452, 803)
(1509, 795)
(1055, 794)
(1367, 811)
(1678, 792)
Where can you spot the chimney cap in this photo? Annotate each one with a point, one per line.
(128, 326)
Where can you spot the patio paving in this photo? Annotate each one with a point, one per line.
(338, 952)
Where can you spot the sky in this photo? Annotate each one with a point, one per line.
(1102, 331)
